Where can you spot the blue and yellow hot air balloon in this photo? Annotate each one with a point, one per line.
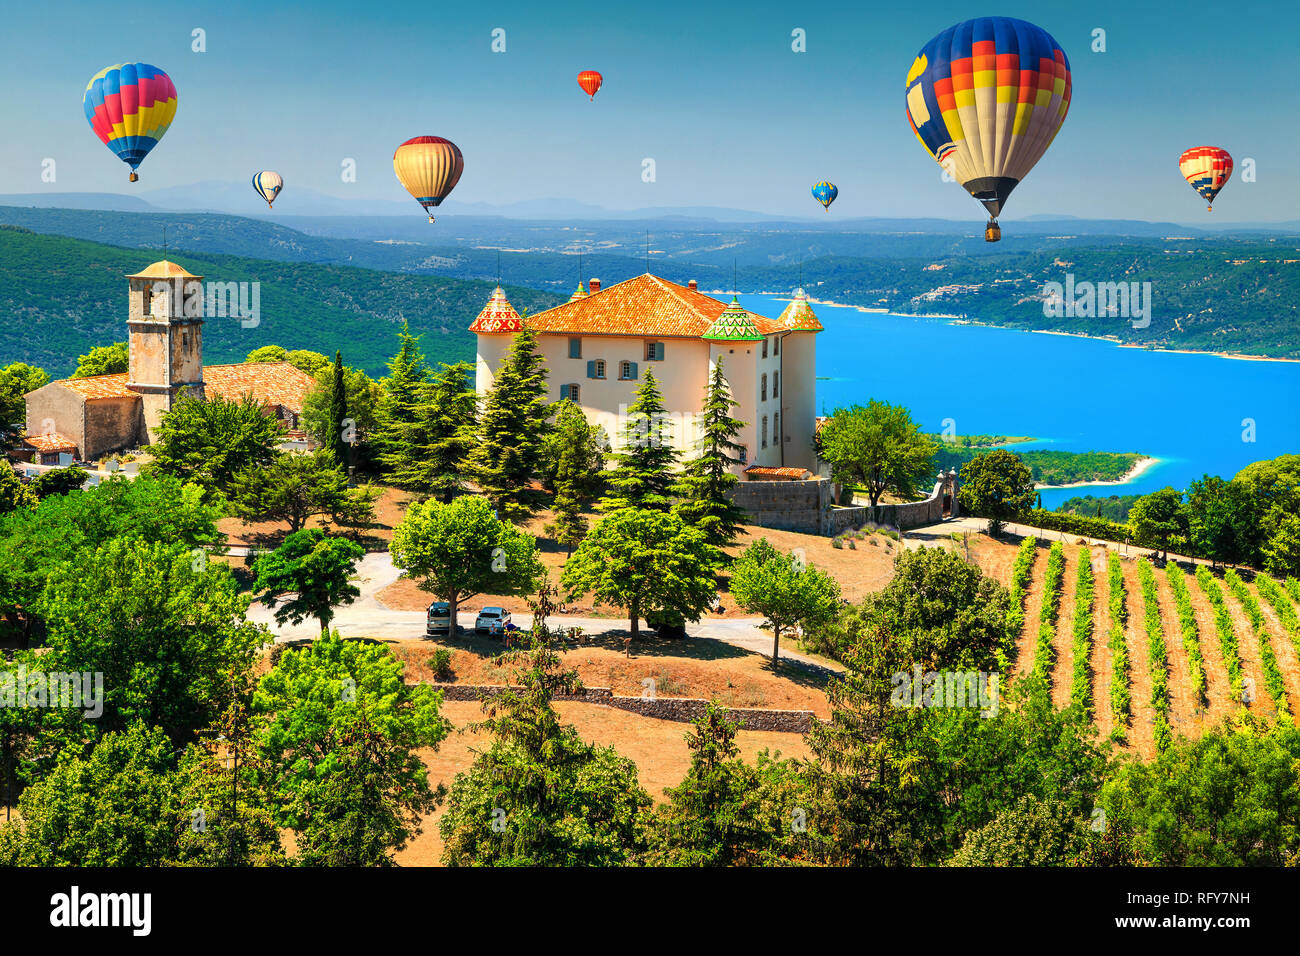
(268, 185)
(986, 98)
(130, 106)
(825, 194)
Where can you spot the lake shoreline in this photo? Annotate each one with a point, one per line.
(1139, 466)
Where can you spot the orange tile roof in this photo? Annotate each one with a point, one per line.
(271, 383)
(497, 316)
(644, 306)
(760, 472)
(48, 444)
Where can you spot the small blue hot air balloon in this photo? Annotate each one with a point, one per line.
(825, 194)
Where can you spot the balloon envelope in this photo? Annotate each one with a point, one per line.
(986, 97)
(130, 106)
(1207, 168)
(590, 81)
(428, 167)
(825, 193)
(268, 185)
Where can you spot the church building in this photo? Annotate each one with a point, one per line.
(599, 345)
(91, 417)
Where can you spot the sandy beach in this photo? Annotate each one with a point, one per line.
(1141, 465)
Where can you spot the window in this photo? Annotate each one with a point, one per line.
(776, 383)
(776, 345)
(596, 368)
(764, 431)
(776, 429)
(575, 348)
(743, 452)
(627, 371)
(762, 391)
(764, 346)
(570, 392)
(654, 351)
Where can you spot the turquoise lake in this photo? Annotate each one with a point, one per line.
(1072, 393)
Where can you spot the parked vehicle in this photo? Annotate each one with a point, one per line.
(492, 621)
(439, 623)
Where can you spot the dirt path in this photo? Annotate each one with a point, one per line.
(1248, 647)
(1141, 727)
(1185, 711)
(1222, 701)
(1063, 670)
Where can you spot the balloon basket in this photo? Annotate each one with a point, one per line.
(992, 232)
(133, 178)
(430, 219)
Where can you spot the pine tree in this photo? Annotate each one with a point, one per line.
(644, 476)
(335, 429)
(442, 434)
(396, 413)
(579, 467)
(706, 480)
(512, 427)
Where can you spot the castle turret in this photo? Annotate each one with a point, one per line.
(495, 327)
(164, 339)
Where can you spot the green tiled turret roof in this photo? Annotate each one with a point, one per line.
(734, 324)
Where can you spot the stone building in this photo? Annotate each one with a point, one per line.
(599, 345)
(90, 417)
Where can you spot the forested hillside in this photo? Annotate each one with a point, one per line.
(60, 297)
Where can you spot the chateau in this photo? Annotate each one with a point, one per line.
(90, 417)
(599, 345)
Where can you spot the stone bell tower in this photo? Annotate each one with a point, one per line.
(164, 339)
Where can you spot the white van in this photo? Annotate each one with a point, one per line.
(439, 623)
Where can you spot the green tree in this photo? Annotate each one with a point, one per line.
(163, 625)
(209, 442)
(540, 795)
(396, 412)
(511, 430)
(1223, 517)
(103, 360)
(336, 421)
(316, 569)
(645, 463)
(268, 353)
(575, 447)
(361, 396)
(59, 481)
(707, 481)
(997, 486)
(294, 488)
(878, 447)
(645, 561)
(1034, 832)
(313, 363)
(785, 590)
(1158, 517)
(461, 549)
(442, 434)
(16, 380)
(14, 495)
(340, 735)
(1282, 550)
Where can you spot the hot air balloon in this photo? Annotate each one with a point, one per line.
(1208, 169)
(986, 98)
(130, 106)
(428, 167)
(268, 185)
(825, 194)
(590, 81)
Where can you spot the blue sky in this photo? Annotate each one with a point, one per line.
(712, 92)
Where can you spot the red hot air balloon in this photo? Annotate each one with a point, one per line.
(590, 81)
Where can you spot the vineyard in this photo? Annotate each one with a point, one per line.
(1153, 653)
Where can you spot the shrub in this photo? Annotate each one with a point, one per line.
(440, 665)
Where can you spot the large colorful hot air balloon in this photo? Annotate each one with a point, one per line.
(1208, 169)
(428, 167)
(590, 81)
(825, 194)
(268, 185)
(986, 98)
(130, 106)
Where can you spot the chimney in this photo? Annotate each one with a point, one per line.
(692, 286)
(595, 285)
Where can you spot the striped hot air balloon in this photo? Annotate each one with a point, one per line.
(428, 167)
(1208, 169)
(590, 82)
(825, 194)
(268, 185)
(986, 98)
(130, 106)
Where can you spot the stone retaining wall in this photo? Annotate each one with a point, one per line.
(680, 709)
(809, 506)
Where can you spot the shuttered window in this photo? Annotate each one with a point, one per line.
(570, 392)
(596, 368)
(627, 371)
(762, 391)
(764, 431)
(776, 384)
(575, 348)
(654, 351)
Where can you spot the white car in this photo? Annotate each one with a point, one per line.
(492, 620)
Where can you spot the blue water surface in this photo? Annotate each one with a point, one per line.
(1072, 393)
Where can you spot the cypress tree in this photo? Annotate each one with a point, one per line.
(335, 439)
(644, 475)
(706, 480)
(397, 409)
(511, 430)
